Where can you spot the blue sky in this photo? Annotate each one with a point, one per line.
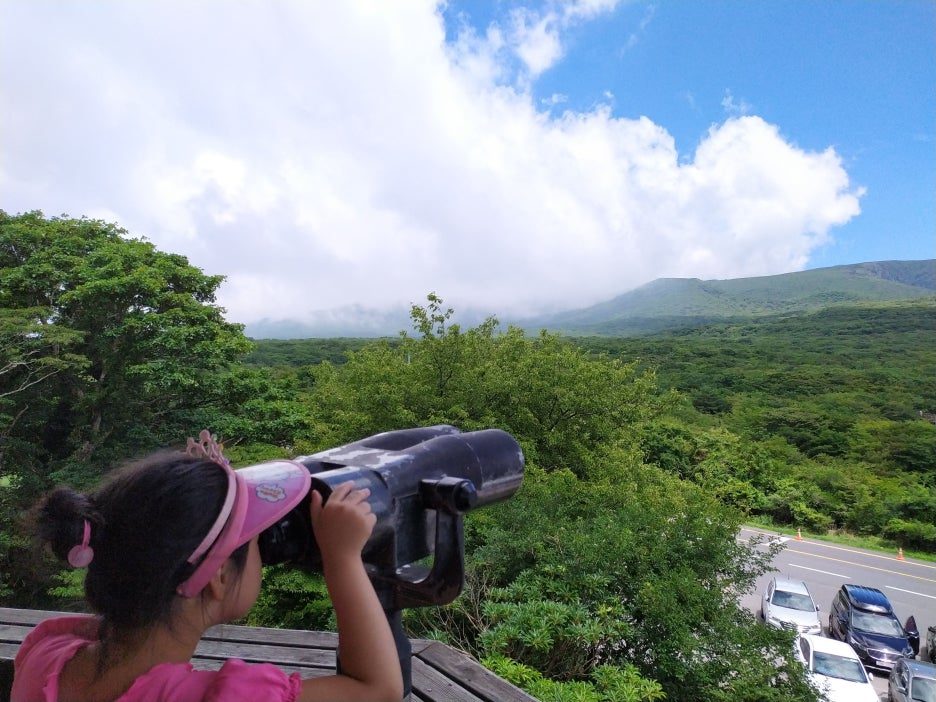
(337, 161)
(857, 75)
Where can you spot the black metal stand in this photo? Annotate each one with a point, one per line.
(417, 586)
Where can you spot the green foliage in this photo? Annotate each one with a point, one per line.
(816, 420)
(304, 352)
(915, 534)
(108, 348)
(635, 568)
(558, 402)
(607, 683)
(70, 587)
(292, 599)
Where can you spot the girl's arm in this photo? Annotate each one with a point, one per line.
(370, 668)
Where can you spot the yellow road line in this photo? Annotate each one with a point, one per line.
(842, 548)
(860, 565)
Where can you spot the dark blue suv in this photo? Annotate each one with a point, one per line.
(864, 617)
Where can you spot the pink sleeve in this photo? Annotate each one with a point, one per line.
(237, 680)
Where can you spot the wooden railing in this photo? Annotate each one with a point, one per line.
(440, 673)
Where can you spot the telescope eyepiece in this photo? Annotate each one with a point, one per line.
(453, 495)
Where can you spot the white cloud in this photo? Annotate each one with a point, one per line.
(534, 36)
(735, 108)
(554, 99)
(634, 38)
(536, 39)
(343, 153)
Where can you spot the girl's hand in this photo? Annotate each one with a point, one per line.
(345, 522)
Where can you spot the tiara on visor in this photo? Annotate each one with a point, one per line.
(208, 448)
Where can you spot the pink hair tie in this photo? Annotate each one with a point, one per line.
(82, 554)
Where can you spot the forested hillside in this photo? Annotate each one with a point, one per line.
(820, 420)
(673, 303)
(833, 414)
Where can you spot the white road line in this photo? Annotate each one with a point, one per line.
(911, 592)
(849, 550)
(816, 570)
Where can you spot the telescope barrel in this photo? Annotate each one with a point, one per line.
(491, 459)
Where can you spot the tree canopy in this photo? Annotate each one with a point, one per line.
(108, 348)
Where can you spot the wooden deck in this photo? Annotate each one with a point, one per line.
(440, 673)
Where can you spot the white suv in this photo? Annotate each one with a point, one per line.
(787, 604)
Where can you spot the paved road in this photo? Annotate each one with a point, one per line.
(910, 585)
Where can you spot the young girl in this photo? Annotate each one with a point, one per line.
(170, 544)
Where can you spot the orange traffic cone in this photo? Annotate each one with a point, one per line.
(900, 555)
(799, 535)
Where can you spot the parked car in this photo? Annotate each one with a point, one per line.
(864, 618)
(931, 644)
(787, 604)
(835, 669)
(912, 681)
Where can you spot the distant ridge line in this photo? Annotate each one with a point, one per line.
(660, 305)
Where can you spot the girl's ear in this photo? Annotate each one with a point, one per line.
(220, 583)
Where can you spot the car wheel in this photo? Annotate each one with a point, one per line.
(831, 631)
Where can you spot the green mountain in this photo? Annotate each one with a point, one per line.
(671, 303)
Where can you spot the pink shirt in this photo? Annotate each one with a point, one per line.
(53, 643)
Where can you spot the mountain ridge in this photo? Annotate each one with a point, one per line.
(670, 303)
(660, 305)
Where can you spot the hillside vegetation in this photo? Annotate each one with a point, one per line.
(671, 303)
(820, 420)
(831, 415)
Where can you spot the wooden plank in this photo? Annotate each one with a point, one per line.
(13, 633)
(431, 684)
(230, 632)
(286, 637)
(9, 615)
(418, 645)
(267, 653)
(472, 675)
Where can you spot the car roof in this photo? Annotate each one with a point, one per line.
(790, 585)
(868, 598)
(920, 668)
(826, 645)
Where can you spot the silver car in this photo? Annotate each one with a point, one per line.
(787, 604)
(912, 681)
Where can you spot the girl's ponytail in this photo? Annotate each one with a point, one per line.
(61, 520)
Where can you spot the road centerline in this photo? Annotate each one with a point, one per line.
(911, 592)
(870, 553)
(861, 565)
(816, 570)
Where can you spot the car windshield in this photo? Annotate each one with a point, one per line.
(793, 600)
(838, 667)
(923, 690)
(877, 624)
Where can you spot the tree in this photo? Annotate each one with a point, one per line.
(558, 401)
(109, 348)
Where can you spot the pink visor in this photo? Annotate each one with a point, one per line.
(257, 498)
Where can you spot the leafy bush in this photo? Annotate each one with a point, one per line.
(912, 534)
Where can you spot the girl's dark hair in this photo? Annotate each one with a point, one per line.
(146, 519)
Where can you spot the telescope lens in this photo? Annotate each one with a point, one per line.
(287, 540)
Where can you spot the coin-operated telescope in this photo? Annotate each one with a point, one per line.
(422, 481)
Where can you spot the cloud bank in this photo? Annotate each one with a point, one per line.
(329, 154)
